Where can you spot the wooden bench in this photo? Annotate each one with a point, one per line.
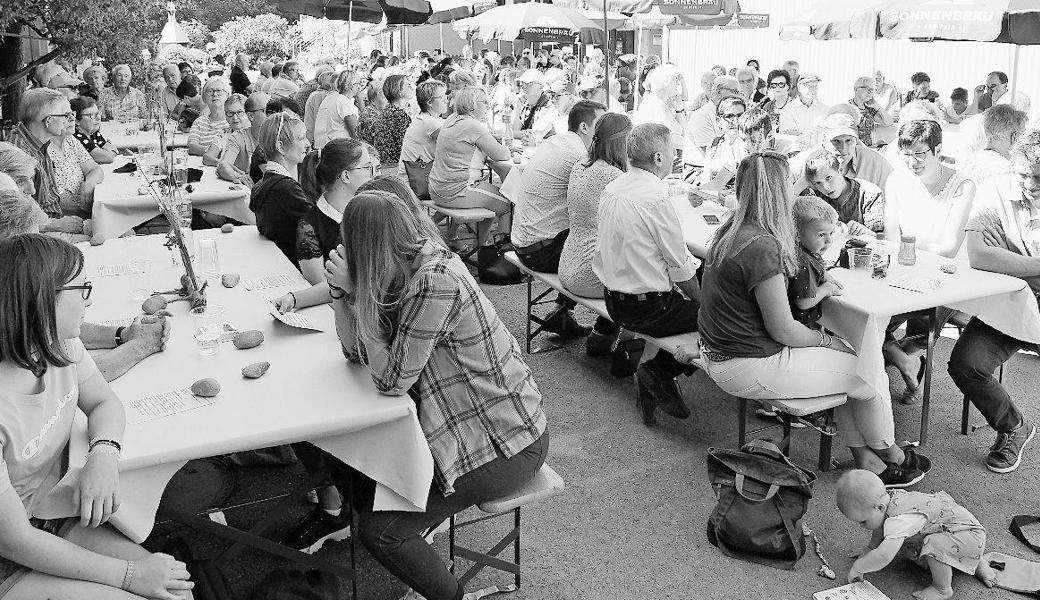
(463, 216)
(789, 410)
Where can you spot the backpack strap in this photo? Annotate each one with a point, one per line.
(738, 484)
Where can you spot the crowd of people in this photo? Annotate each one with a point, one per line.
(338, 162)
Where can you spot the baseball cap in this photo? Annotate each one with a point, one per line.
(809, 78)
(838, 125)
(532, 76)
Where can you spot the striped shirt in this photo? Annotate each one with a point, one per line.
(46, 188)
(455, 357)
(204, 132)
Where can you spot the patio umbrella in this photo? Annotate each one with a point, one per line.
(451, 10)
(397, 12)
(506, 22)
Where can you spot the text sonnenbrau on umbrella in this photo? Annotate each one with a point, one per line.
(691, 7)
(548, 34)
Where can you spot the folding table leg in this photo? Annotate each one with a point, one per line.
(926, 396)
(530, 311)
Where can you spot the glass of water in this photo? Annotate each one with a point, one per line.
(209, 322)
(208, 259)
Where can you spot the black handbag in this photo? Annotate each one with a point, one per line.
(418, 172)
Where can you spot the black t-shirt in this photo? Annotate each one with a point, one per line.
(239, 81)
(730, 320)
(316, 236)
(812, 272)
(278, 203)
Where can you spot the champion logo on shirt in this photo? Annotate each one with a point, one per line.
(33, 446)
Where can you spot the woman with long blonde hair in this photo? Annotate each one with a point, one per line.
(754, 348)
(411, 311)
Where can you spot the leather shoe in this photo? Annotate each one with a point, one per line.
(626, 357)
(563, 324)
(646, 402)
(493, 269)
(598, 344)
(664, 389)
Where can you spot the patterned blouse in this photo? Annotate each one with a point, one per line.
(133, 101)
(67, 155)
(384, 130)
(94, 140)
(318, 233)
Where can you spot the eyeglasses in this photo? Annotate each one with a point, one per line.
(864, 87)
(777, 85)
(732, 116)
(263, 110)
(918, 156)
(994, 86)
(234, 113)
(69, 116)
(370, 167)
(85, 289)
(215, 92)
(92, 115)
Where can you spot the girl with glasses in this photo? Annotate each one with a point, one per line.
(45, 376)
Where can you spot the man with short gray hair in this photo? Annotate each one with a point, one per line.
(1003, 124)
(702, 127)
(641, 258)
(747, 77)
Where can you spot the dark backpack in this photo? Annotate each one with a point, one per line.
(294, 584)
(762, 498)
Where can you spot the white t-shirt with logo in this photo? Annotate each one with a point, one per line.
(34, 428)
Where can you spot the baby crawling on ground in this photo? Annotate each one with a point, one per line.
(936, 531)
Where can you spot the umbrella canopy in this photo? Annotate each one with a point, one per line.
(1010, 21)
(451, 10)
(398, 12)
(506, 22)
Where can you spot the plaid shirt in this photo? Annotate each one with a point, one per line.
(464, 369)
(46, 188)
(133, 102)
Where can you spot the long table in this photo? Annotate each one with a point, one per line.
(863, 312)
(120, 206)
(117, 135)
(311, 393)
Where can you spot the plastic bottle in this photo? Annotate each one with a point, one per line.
(908, 250)
(507, 126)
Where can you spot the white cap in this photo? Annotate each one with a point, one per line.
(839, 124)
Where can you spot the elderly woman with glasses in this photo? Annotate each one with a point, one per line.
(210, 130)
(96, 78)
(122, 98)
(76, 174)
(88, 130)
(233, 162)
(43, 116)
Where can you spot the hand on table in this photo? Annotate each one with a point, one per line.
(832, 287)
(284, 304)
(98, 493)
(160, 576)
(150, 331)
(992, 236)
(66, 224)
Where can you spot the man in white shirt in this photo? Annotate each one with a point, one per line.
(1000, 93)
(702, 127)
(534, 115)
(806, 111)
(641, 258)
(540, 221)
(1003, 125)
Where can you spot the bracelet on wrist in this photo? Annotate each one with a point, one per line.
(334, 295)
(823, 339)
(128, 576)
(102, 441)
(104, 449)
(293, 299)
(119, 336)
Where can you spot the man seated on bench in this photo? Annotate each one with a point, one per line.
(641, 258)
(540, 221)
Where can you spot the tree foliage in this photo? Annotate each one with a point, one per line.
(198, 33)
(261, 36)
(214, 13)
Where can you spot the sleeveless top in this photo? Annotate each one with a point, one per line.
(920, 213)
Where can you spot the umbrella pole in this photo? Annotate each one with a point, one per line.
(440, 31)
(350, 22)
(1014, 70)
(606, 53)
(639, 52)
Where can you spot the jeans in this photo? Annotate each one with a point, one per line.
(395, 538)
(547, 260)
(865, 420)
(657, 316)
(977, 354)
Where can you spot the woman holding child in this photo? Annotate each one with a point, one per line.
(752, 345)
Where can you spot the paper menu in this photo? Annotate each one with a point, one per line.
(162, 405)
(112, 270)
(922, 284)
(861, 590)
(272, 281)
(296, 320)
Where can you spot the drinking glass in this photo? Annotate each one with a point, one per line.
(859, 259)
(141, 279)
(208, 321)
(208, 260)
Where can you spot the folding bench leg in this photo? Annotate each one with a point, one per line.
(826, 445)
(533, 301)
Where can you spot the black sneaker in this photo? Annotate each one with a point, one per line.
(1006, 453)
(663, 389)
(911, 471)
(317, 528)
(598, 344)
(562, 323)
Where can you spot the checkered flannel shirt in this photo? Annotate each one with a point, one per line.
(473, 389)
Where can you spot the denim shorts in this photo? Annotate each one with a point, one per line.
(11, 572)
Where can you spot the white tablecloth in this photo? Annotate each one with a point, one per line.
(116, 135)
(863, 312)
(310, 392)
(118, 207)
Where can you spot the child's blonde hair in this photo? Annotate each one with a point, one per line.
(858, 489)
(808, 209)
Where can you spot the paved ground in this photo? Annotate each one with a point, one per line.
(631, 522)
